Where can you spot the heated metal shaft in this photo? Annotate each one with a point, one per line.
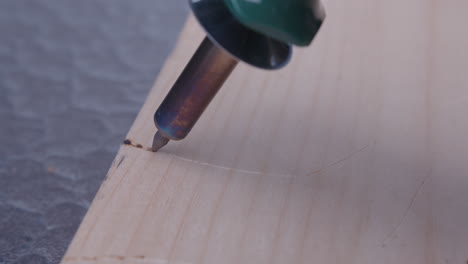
(199, 82)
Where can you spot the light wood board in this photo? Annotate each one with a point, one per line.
(357, 152)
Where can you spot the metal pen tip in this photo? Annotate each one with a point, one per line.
(159, 141)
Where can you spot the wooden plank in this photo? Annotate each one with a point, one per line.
(355, 153)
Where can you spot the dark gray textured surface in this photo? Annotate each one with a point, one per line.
(73, 75)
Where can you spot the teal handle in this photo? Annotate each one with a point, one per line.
(291, 21)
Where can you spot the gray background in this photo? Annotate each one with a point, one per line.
(73, 75)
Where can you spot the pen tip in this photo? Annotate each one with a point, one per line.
(159, 141)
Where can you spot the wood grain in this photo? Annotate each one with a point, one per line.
(354, 153)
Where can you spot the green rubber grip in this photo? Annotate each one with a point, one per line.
(292, 21)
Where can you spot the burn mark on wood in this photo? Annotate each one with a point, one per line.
(120, 162)
(129, 142)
